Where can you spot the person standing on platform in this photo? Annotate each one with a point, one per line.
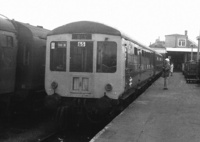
(166, 71)
(171, 68)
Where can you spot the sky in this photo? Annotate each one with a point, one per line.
(143, 20)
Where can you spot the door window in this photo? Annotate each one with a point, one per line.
(58, 56)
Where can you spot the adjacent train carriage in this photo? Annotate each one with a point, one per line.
(30, 61)
(22, 64)
(8, 52)
(93, 66)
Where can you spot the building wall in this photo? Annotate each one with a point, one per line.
(170, 41)
(173, 40)
(177, 56)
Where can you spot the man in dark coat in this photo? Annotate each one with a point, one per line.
(166, 71)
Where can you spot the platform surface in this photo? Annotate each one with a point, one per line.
(158, 115)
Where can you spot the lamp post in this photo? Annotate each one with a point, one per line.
(198, 48)
(191, 51)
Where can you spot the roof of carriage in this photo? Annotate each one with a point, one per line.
(6, 25)
(92, 27)
(85, 27)
(36, 31)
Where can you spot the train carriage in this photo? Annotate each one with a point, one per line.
(31, 56)
(30, 67)
(22, 65)
(8, 52)
(87, 62)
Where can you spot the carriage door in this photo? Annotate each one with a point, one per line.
(81, 66)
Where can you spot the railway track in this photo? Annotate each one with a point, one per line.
(77, 133)
(61, 136)
(85, 133)
(49, 137)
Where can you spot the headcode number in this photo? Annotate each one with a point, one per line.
(81, 44)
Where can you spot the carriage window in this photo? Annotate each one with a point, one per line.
(6, 41)
(143, 53)
(135, 51)
(9, 41)
(106, 56)
(58, 56)
(81, 56)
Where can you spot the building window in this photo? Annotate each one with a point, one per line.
(182, 42)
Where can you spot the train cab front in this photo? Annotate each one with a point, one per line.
(84, 71)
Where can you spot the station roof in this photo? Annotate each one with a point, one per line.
(159, 50)
(171, 49)
(175, 35)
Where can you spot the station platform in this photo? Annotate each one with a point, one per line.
(158, 115)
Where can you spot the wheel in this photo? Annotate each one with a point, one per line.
(61, 119)
(94, 113)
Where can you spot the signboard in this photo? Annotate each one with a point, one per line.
(81, 36)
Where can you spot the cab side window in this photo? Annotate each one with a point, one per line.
(58, 56)
(106, 56)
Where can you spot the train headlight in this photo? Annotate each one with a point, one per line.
(108, 87)
(54, 85)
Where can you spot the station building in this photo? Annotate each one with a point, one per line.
(178, 48)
